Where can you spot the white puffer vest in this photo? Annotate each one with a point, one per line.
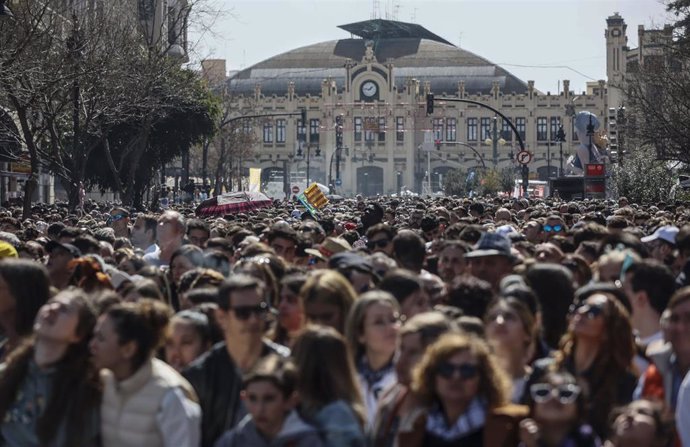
(129, 408)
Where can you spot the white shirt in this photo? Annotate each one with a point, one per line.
(153, 248)
(179, 420)
(683, 412)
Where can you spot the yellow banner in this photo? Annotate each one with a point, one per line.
(315, 196)
(254, 179)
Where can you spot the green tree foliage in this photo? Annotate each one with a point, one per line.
(455, 182)
(642, 178)
(657, 88)
(96, 95)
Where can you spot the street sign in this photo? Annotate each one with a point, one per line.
(295, 189)
(523, 157)
(428, 144)
(338, 182)
(595, 170)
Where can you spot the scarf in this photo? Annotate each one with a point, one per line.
(470, 421)
(370, 376)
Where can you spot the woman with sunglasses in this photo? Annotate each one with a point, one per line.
(372, 335)
(49, 391)
(464, 395)
(557, 414)
(145, 401)
(598, 349)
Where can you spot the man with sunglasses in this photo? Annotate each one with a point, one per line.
(554, 226)
(118, 220)
(242, 314)
(380, 238)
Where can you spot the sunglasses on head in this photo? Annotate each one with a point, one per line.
(465, 370)
(565, 394)
(554, 228)
(244, 312)
(379, 243)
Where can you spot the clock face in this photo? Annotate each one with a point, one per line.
(369, 89)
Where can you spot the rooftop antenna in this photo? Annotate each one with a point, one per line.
(396, 10)
(376, 10)
(460, 40)
(413, 19)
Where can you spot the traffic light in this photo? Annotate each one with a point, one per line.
(339, 132)
(430, 104)
(303, 113)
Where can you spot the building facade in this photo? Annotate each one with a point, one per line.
(377, 82)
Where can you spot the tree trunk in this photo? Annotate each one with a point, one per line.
(29, 188)
(72, 193)
(130, 189)
(111, 165)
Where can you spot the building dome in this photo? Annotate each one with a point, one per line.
(413, 51)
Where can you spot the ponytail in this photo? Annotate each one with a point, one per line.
(145, 322)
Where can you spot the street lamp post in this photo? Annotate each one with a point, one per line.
(560, 137)
(548, 159)
(495, 141)
(317, 152)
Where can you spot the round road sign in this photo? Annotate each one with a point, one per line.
(295, 189)
(523, 157)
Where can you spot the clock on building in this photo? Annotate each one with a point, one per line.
(369, 90)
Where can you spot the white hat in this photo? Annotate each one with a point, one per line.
(666, 233)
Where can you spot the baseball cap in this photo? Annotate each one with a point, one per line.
(71, 249)
(351, 260)
(7, 250)
(492, 244)
(666, 233)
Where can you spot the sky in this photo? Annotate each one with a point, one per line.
(542, 40)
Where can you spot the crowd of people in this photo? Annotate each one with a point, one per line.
(379, 322)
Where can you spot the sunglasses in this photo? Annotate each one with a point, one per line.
(465, 370)
(565, 394)
(244, 312)
(116, 217)
(554, 228)
(589, 310)
(379, 243)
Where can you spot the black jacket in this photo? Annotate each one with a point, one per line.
(218, 382)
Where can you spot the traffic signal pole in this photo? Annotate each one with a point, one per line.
(430, 109)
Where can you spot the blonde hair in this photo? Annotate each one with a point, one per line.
(494, 384)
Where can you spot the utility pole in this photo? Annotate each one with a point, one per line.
(560, 137)
(494, 140)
